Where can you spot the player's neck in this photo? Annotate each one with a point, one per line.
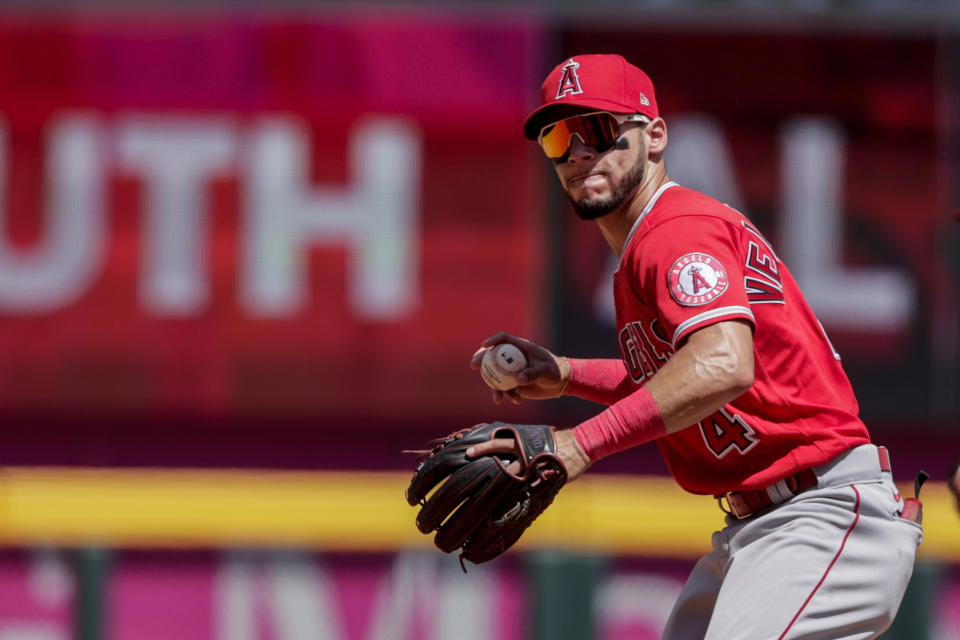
(616, 226)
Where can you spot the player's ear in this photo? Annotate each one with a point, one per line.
(656, 136)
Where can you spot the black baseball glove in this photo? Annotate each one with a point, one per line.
(480, 506)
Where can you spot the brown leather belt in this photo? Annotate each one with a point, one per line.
(743, 504)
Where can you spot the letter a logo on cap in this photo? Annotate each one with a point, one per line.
(569, 80)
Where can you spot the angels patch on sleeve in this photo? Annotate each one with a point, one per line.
(697, 279)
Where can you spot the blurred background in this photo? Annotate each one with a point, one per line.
(247, 250)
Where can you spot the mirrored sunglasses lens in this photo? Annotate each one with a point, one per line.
(556, 140)
(597, 130)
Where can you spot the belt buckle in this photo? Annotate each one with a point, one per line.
(736, 505)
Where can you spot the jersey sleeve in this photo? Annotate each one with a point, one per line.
(691, 266)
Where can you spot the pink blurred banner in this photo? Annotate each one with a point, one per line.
(268, 596)
(266, 215)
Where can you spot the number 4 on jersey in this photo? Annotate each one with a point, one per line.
(723, 431)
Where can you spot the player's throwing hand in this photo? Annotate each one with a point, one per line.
(545, 375)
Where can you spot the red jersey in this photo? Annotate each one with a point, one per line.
(689, 262)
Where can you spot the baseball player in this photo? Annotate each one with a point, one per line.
(726, 368)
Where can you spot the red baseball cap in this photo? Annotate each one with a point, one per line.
(598, 82)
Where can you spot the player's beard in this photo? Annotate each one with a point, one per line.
(593, 207)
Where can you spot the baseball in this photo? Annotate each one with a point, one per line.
(500, 366)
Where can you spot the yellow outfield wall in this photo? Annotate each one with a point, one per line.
(164, 508)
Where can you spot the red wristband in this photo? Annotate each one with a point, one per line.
(603, 381)
(628, 423)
